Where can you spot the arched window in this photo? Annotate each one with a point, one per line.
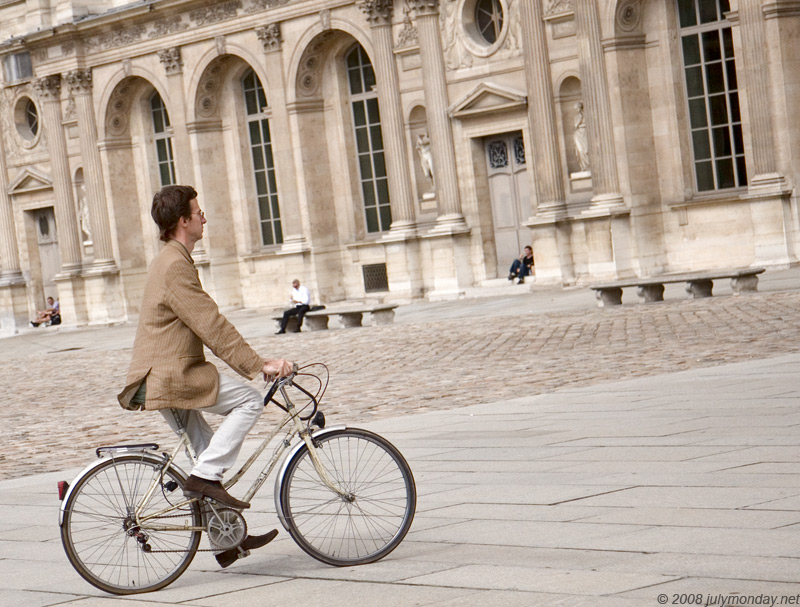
(255, 102)
(162, 131)
(712, 94)
(369, 141)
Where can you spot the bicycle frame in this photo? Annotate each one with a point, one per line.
(298, 428)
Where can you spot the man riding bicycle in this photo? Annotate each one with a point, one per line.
(168, 370)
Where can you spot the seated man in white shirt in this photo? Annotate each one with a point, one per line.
(301, 302)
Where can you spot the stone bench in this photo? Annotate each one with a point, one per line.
(698, 285)
(349, 316)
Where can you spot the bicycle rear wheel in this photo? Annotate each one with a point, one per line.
(102, 536)
(371, 521)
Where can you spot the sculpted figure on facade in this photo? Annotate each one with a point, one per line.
(83, 215)
(423, 146)
(455, 52)
(580, 139)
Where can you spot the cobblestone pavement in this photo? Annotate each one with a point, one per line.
(61, 405)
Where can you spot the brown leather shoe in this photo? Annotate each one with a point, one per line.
(200, 487)
(251, 542)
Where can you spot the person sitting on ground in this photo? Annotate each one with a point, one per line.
(49, 316)
(522, 266)
(301, 303)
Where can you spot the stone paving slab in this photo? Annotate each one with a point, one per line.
(623, 530)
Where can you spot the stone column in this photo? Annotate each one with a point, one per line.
(436, 101)
(10, 269)
(379, 14)
(291, 221)
(541, 113)
(48, 90)
(80, 87)
(594, 83)
(754, 63)
(173, 65)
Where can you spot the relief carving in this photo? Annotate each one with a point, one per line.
(629, 15)
(424, 7)
(208, 89)
(215, 13)
(256, 6)
(270, 37)
(79, 82)
(117, 37)
(409, 36)
(308, 75)
(170, 25)
(171, 60)
(118, 108)
(325, 19)
(48, 88)
(378, 12)
(560, 7)
(456, 55)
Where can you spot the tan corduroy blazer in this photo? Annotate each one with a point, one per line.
(177, 317)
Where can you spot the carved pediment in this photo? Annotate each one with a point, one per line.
(488, 97)
(30, 180)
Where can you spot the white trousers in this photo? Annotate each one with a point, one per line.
(241, 405)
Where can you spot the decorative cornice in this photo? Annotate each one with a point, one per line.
(257, 6)
(270, 37)
(424, 7)
(781, 8)
(48, 88)
(171, 60)
(378, 12)
(79, 82)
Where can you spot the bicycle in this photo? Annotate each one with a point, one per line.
(345, 495)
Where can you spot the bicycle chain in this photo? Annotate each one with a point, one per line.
(170, 551)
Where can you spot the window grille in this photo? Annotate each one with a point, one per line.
(375, 277)
(369, 141)
(162, 130)
(255, 102)
(712, 93)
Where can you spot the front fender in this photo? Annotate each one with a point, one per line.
(99, 462)
(285, 465)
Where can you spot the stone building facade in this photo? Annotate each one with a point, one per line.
(391, 148)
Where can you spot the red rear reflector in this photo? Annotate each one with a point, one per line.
(62, 489)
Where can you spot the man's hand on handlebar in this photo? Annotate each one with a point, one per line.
(277, 367)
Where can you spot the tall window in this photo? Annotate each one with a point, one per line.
(255, 102)
(369, 141)
(163, 137)
(712, 90)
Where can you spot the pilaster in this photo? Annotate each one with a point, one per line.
(541, 114)
(605, 179)
(271, 39)
(379, 14)
(48, 90)
(80, 87)
(436, 101)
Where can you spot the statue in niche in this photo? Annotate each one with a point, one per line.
(83, 206)
(425, 155)
(580, 139)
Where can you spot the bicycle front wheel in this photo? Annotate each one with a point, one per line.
(366, 524)
(106, 535)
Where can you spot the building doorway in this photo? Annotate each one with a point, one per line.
(49, 257)
(509, 191)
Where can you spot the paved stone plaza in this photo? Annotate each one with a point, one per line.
(564, 455)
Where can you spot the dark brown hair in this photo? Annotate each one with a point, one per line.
(169, 205)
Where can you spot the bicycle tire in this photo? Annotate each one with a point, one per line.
(338, 531)
(100, 538)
